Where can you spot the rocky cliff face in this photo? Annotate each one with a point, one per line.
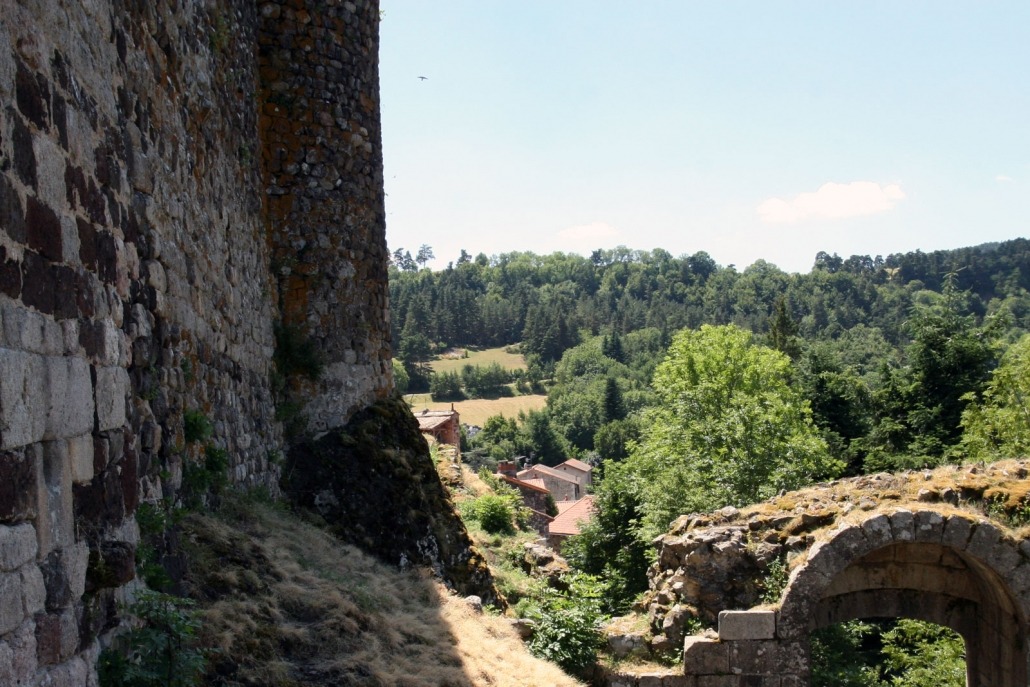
(374, 485)
(177, 177)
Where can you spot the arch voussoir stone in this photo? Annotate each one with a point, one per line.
(983, 541)
(877, 530)
(957, 531)
(903, 525)
(929, 527)
(1005, 558)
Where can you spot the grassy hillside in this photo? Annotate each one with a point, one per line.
(476, 411)
(287, 605)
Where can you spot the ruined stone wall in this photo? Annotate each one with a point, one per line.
(139, 229)
(947, 546)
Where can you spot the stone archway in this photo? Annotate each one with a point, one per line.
(950, 569)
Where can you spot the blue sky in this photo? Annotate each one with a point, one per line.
(750, 130)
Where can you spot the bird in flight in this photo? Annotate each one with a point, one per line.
(422, 78)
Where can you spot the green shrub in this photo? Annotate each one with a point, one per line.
(568, 624)
(154, 521)
(163, 652)
(775, 581)
(496, 514)
(195, 426)
(209, 476)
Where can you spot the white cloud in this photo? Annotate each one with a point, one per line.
(595, 231)
(833, 201)
(1003, 178)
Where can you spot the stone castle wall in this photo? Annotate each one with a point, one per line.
(176, 176)
(319, 120)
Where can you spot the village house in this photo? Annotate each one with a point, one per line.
(577, 470)
(563, 487)
(441, 427)
(565, 484)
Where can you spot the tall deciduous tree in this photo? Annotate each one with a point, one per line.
(728, 429)
(1000, 426)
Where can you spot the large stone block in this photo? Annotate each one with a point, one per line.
(6, 664)
(12, 612)
(44, 230)
(903, 525)
(50, 165)
(27, 330)
(929, 526)
(754, 657)
(112, 564)
(33, 590)
(80, 457)
(747, 625)
(57, 636)
(718, 681)
(64, 574)
(956, 532)
(702, 656)
(18, 488)
(55, 522)
(72, 673)
(22, 643)
(17, 546)
(71, 398)
(984, 541)
(111, 390)
(24, 398)
(878, 531)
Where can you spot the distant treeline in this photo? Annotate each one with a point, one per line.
(548, 302)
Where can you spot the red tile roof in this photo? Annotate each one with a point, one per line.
(567, 523)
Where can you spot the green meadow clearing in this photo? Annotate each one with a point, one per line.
(477, 410)
(509, 361)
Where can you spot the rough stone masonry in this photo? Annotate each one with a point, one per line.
(176, 177)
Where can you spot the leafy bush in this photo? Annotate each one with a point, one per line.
(163, 652)
(496, 514)
(921, 654)
(195, 426)
(493, 512)
(568, 624)
(208, 477)
(775, 581)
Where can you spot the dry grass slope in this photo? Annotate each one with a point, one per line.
(287, 605)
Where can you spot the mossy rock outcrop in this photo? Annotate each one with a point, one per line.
(374, 485)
